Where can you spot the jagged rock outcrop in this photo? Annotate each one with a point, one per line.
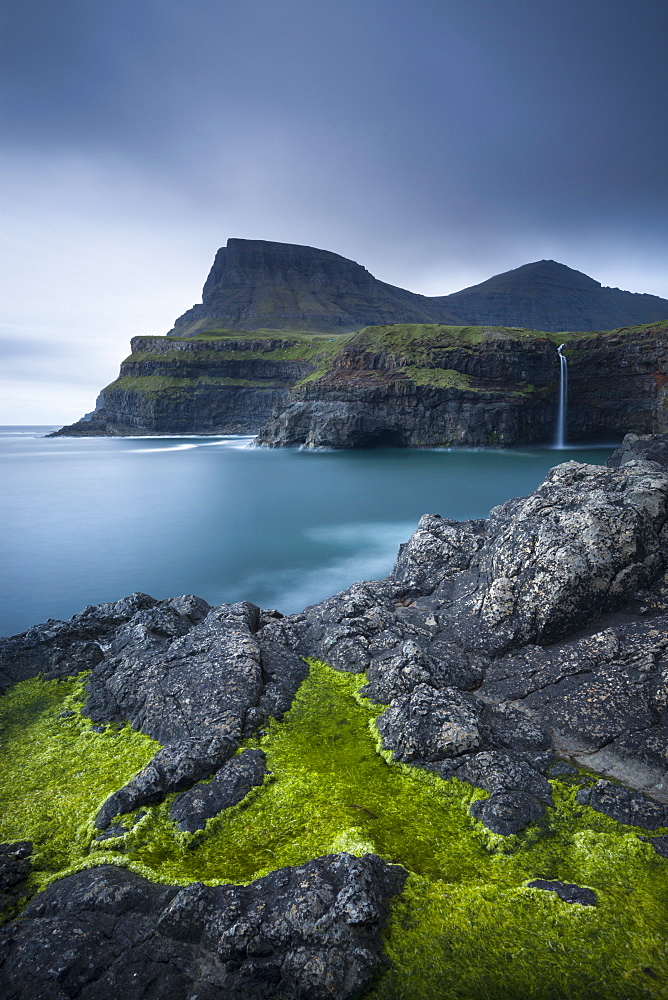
(640, 448)
(312, 931)
(500, 650)
(229, 785)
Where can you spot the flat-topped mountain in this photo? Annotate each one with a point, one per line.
(258, 285)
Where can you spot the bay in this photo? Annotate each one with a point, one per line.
(93, 519)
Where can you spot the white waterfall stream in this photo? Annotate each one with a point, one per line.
(560, 440)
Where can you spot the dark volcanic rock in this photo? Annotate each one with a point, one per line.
(312, 931)
(231, 783)
(624, 805)
(566, 891)
(62, 649)
(436, 551)
(430, 725)
(199, 692)
(640, 448)
(173, 768)
(507, 812)
(202, 678)
(194, 678)
(582, 544)
(14, 873)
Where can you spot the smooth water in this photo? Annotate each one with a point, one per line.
(90, 520)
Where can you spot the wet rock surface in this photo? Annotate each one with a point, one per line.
(312, 931)
(624, 805)
(14, 874)
(229, 785)
(566, 891)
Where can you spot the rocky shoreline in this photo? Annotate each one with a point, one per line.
(513, 654)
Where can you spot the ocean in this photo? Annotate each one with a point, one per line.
(93, 519)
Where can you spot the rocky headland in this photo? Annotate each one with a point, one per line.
(449, 783)
(302, 346)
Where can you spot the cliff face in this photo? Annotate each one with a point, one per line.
(425, 387)
(257, 285)
(420, 385)
(475, 387)
(617, 382)
(211, 385)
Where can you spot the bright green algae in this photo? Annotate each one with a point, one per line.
(56, 771)
(466, 926)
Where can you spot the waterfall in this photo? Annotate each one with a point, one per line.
(560, 441)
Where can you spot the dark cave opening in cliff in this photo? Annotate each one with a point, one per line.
(382, 439)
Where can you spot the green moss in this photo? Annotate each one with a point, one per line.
(444, 378)
(413, 337)
(466, 927)
(56, 771)
(153, 384)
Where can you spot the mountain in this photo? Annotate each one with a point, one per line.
(549, 296)
(257, 285)
(477, 367)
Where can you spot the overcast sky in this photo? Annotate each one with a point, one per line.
(437, 142)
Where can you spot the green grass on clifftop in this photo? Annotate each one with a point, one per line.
(466, 927)
(153, 384)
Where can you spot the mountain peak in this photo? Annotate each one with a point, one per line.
(258, 284)
(538, 272)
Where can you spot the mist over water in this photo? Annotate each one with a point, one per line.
(90, 520)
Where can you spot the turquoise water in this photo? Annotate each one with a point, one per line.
(90, 520)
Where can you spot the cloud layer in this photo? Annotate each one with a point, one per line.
(434, 142)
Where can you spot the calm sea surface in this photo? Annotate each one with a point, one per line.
(90, 520)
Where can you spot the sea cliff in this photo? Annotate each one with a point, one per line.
(417, 385)
(303, 346)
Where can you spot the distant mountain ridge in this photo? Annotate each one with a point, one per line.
(260, 285)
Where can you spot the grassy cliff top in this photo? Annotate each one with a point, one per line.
(400, 336)
(296, 335)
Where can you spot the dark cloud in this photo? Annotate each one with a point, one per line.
(436, 141)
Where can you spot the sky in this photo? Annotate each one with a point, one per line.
(436, 142)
